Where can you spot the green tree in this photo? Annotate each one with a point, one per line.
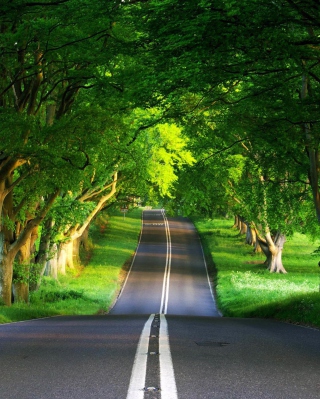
(257, 65)
(50, 52)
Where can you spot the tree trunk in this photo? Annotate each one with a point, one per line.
(85, 239)
(252, 237)
(65, 256)
(272, 248)
(236, 224)
(11, 245)
(249, 234)
(68, 253)
(6, 254)
(51, 268)
(243, 226)
(21, 276)
(20, 289)
(6, 272)
(76, 244)
(255, 241)
(43, 254)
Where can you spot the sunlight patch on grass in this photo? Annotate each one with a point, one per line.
(250, 280)
(244, 288)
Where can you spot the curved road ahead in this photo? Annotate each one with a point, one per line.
(164, 338)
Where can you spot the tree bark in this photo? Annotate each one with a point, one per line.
(68, 247)
(243, 225)
(6, 272)
(76, 244)
(236, 222)
(11, 246)
(69, 250)
(249, 234)
(21, 277)
(43, 254)
(51, 268)
(255, 241)
(6, 238)
(272, 248)
(85, 239)
(65, 256)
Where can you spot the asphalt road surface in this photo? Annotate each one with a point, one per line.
(169, 274)
(164, 338)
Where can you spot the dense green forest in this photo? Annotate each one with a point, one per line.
(205, 107)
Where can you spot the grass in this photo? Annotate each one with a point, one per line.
(89, 289)
(244, 288)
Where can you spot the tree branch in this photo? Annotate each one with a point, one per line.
(218, 152)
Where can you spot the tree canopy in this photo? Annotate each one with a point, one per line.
(101, 102)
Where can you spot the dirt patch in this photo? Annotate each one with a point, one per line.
(254, 262)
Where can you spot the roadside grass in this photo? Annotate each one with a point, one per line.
(88, 289)
(244, 288)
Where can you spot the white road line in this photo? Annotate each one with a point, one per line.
(208, 278)
(134, 257)
(167, 381)
(139, 369)
(166, 277)
(169, 268)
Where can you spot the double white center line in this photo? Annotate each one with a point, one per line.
(167, 380)
(168, 389)
(167, 271)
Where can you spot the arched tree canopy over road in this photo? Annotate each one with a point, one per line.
(102, 100)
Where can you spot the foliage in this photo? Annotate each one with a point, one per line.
(105, 101)
(243, 81)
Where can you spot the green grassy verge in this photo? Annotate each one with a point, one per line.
(244, 287)
(89, 289)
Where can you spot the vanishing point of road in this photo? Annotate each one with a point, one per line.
(164, 338)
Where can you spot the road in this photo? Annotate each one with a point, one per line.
(164, 338)
(169, 273)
